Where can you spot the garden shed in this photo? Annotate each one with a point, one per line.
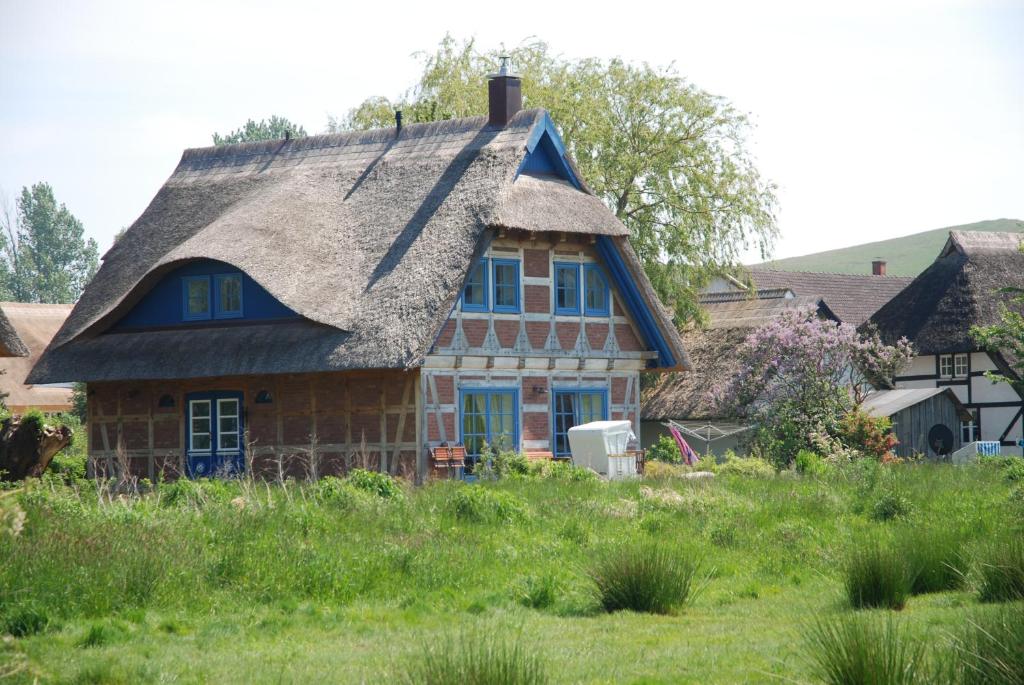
(926, 421)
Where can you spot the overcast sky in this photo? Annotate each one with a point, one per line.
(875, 119)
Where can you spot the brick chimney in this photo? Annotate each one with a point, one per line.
(504, 96)
(878, 267)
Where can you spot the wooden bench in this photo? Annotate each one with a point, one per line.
(538, 455)
(450, 459)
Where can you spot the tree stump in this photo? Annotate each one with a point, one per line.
(27, 447)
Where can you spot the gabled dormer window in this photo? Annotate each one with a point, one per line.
(211, 297)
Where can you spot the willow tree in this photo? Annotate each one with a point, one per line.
(671, 160)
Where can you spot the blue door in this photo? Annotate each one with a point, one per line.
(214, 435)
(573, 408)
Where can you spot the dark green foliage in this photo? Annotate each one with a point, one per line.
(1001, 571)
(380, 484)
(990, 648)
(810, 464)
(481, 504)
(33, 420)
(275, 128)
(644, 577)
(665, 450)
(876, 577)
(936, 560)
(336, 492)
(1014, 473)
(23, 620)
(891, 504)
(475, 660)
(864, 650)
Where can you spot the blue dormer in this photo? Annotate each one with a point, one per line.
(545, 154)
(204, 292)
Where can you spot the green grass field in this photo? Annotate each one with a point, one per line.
(907, 255)
(249, 583)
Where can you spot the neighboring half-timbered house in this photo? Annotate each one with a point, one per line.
(936, 312)
(365, 296)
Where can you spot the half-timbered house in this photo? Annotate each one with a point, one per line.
(368, 295)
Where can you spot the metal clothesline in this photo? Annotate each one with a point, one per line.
(708, 433)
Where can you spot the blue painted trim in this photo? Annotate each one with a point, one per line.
(205, 463)
(575, 390)
(634, 301)
(487, 392)
(545, 133)
(219, 313)
(595, 311)
(505, 309)
(185, 314)
(567, 266)
(469, 307)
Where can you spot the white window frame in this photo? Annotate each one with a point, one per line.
(958, 370)
(237, 416)
(945, 366)
(191, 426)
(969, 429)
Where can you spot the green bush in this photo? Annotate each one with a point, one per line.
(935, 560)
(336, 492)
(665, 450)
(186, 492)
(748, 467)
(561, 470)
(380, 484)
(511, 465)
(891, 504)
(24, 620)
(471, 660)
(862, 650)
(1014, 472)
(480, 504)
(990, 648)
(1001, 571)
(644, 577)
(876, 577)
(810, 464)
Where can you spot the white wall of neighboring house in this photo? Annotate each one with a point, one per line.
(997, 405)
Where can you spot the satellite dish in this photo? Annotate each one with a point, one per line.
(940, 439)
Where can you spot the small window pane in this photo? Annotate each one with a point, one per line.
(567, 292)
(229, 441)
(198, 297)
(200, 425)
(200, 409)
(475, 293)
(506, 286)
(200, 442)
(231, 294)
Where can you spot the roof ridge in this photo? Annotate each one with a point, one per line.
(829, 273)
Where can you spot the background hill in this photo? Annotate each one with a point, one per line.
(908, 255)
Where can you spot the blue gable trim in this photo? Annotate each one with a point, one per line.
(164, 304)
(642, 314)
(545, 153)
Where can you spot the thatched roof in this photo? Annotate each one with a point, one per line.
(368, 236)
(11, 345)
(853, 298)
(732, 316)
(957, 291)
(35, 325)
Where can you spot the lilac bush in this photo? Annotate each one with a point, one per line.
(799, 375)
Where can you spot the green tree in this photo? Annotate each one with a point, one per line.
(671, 160)
(45, 255)
(273, 129)
(1006, 337)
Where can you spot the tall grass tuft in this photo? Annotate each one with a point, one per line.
(648, 578)
(991, 648)
(935, 560)
(1002, 572)
(876, 577)
(475, 661)
(863, 650)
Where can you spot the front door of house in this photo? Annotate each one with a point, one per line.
(214, 434)
(573, 408)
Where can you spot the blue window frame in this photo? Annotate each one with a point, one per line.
(573, 408)
(488, 415)
(195, 298)
(474, 296)
(567, 288)
(227, 293)
(213, 434)
(595, 291)
(505, 277)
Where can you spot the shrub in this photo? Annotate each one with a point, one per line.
(471, 660)
(935, 560)
(990, 648)
(647, 578)
(749, 467)
(336, 492)
(867, 434)
(891, 504)
(24, 620)
(665, 450)
(861, 650)
(660, 470)
(876, 577)
(562, 470)
(511, 465)
(1001, 571)
(1014, 472)
(810, 464)
(478, 504)
(380, 484)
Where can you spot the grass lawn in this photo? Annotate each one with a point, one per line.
(227, 582)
